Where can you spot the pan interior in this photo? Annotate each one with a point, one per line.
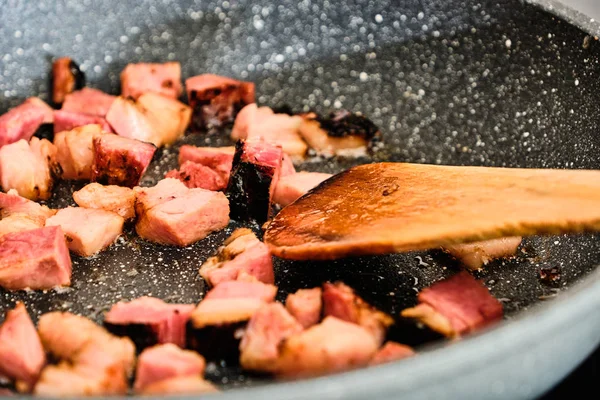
(449, 82)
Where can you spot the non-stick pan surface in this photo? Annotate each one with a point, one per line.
(497, 83)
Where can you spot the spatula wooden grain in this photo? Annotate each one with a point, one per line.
(396, 207)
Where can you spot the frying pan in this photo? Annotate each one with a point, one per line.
(496, 83)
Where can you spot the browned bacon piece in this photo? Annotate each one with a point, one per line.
(88, 101)
(29, 168)
(75, 151)
(118, 199)
(216, 100)
(20, 214)
(149, 321)
(66, 121)
(87, 230)
(120, 161)
(392, 351)
(171, 214)
(305, 305)
(168, 117)
(22, 356)
(340, 301)
(92, 361)
(164, 79)
(34, 259)
(477, 254)
(456, 306)
(216, 158)
(66, 78)
(128, 121)
(242, 252)
(194, 175)
(291, 187)
(166, 361)
(23, 121)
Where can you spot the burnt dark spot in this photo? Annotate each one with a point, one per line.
(78, 75)
(344, 123)
(284, 109)
(550, 276)
(167, 84)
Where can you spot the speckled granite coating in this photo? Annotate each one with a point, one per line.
(497, 83)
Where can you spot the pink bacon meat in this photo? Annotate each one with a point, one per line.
(23, 121)
(164, 79)
(88, 101)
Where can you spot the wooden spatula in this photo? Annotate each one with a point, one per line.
(395, 207)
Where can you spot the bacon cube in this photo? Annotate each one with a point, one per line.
(88, 101)
(291, 187)
(75, 151)
(195, 175)
(117, 199)
(66, 77)
(35, 259)
(306, 306)
(169, 117)
(66, 121)
(219, 159)
(23, 121)
(120, 161)
(20, 214)
(164, 79)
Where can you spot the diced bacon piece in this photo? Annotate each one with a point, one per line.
(342, 133)
(392, 351)
(120, 161)
(267, 329)
(166, 361)
(180, 385)
(88, 101)
(305, 305)
(341, 302)
(456, 306)
(242, 252)
(21, 353)
(87, 230)
(128, 121)
(254, 175)
(215, 100)
(331, 346)
(75, 151)
(34, 259)
(66, 121)
(164, 79)
(117, 199)
(195, 175)
(182, 216)
(17, 223)
(169, 117)
(149, 321)
(477, 254)
(94, 362)
(11, 205)
(66, 77)
(23, 121)
(291, 187)
(29, 168)
(249, 115)
(218, 158)
(242, 289)
(287, 166)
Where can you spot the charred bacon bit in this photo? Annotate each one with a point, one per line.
(149, 321)
(20, 214)
(66, 78)
(392, 351)
(219, 159)
(93, 362)
(75, 151)
(291, 187)
(166, 361)
(118, 199)
(170, 213)
(456, 306)
(216, 100)
(88, 231)
(168, 117)
(477, 254)
(215, 325)
(23, 121)
(242, 252)
(29, 168)
(550, 276)
(305, 305)
(34, 259)
(88, 101)
(164, 79)
(195, 175)
(180, 385)
(340, 301)
(331, 346)
(254, 175)
(21, 353)
(267, 329)
(341, 133)
(120, 161)
(66, 121)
